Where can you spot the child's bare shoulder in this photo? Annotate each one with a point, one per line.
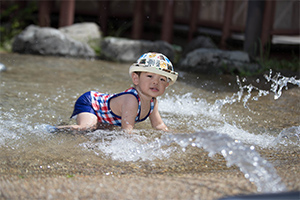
(125, 98)
(117, 104)
(129, 97)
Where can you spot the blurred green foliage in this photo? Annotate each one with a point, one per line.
(292, 64)
(268, 62)
(14, 18)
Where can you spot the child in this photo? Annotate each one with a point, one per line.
(152, 73)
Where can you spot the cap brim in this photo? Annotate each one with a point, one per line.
(171, 76)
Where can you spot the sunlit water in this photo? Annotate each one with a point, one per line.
(216, 122)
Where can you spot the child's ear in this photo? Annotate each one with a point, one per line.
(135, 78)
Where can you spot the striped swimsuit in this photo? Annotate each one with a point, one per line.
(99, 104)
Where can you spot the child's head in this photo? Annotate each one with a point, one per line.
(155, 63)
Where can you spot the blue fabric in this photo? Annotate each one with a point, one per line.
(83, 104)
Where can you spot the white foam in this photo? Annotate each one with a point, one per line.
(186, 105)
(263, 140)
(124, 147)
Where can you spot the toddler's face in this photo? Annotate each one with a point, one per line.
(152, 84)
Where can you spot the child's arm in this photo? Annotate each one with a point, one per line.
(156, 120)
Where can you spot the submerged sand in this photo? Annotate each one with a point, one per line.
(193, 175)
(208, 186)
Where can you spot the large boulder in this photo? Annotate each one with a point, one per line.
(87, 32)
(217, 61)
(199, 42)
(49, 41)
(127, 50)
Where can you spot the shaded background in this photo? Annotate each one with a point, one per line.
(272, 26)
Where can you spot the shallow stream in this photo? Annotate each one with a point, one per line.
(218, 123)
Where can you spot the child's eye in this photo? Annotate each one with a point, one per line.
(150, 76)
(163, 79)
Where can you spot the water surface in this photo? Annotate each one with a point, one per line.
(38, 90)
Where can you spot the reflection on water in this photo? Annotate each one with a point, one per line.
(39, 90)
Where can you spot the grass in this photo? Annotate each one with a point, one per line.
(282, 64)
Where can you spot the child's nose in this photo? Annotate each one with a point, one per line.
(155, 81)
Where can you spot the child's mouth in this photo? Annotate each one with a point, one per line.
(154, 89)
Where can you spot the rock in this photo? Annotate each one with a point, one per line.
(84, 32)
(127, 50)
(217, 61)
(49, 41)
(199, 42)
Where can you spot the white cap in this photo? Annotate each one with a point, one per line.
(155, 63)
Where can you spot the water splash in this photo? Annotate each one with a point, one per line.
(278, 83)
(289, 136)
(255, 168)
(136, 147)
(238, 96)
(123, 147)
